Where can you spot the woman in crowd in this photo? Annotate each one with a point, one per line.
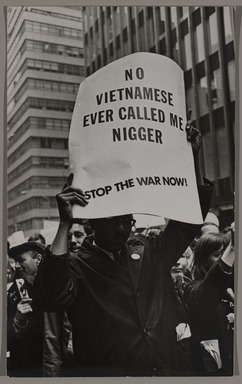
(211, 305)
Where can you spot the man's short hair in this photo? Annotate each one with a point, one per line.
(36, 237)
(84, 222)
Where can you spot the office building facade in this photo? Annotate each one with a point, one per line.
(201, 41)
(45, 65)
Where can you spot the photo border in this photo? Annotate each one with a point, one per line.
(238, 187)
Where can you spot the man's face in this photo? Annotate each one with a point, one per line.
(27, 266)
(113, 232)
(75, 237)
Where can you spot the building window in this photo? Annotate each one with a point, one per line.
(141, 18)
(199, 43)
(162, 46)
(212, 29)
(58, 105)
(39, 46)
(196, 18)
(186, 52)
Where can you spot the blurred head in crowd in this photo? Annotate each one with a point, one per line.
(38, 238)
(10, 266)
(79, 230)
(153, 232)
(229, 231)
(207, 250)
(211, 224)
(183, 266)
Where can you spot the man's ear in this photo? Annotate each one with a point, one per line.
(38, 258)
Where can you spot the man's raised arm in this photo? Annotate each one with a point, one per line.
(54, 285)
(65, 201)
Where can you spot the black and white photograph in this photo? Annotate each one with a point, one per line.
(121, 137)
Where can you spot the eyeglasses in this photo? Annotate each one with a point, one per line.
(125, 221)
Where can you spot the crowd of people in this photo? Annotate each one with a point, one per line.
(103, 300)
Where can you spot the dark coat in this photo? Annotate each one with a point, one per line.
(124, 312)
(26, 346)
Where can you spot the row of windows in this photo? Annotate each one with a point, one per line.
(58, 49)
(46, 86)
(36, 182)
(32, 102)
(48, 29)
(37, 142)
(46, 66)
(55, 14)
(33, 203)
(39, 123)
(49, 66)
(26, 225)
(44, 28)
(149, 25)
(10, 17)
(45, 47)
(38, 162)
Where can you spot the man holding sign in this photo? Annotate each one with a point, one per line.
(122, 305)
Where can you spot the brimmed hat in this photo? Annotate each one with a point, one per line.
(25, 247)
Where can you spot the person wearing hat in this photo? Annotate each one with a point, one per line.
(24, 321)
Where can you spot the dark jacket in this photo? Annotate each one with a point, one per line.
(57, 348)
(124, 312)
(209, 305)
(24, 345)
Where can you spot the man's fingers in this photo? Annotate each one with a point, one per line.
(80, 201)
(188, 131)
(26, 309)
(68, 181)
(71, 189)
(73, 197)
(192, 133)
(195, 134)
(26, 300)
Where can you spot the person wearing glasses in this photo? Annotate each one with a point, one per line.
(125, 315)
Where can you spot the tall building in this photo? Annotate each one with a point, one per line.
(45, 65)
(201, 41)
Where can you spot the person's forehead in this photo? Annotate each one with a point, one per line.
(24, 255)
(77, 227)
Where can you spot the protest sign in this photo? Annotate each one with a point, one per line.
(147, 221)
(16, 238)
(127, 144)
(49, 230)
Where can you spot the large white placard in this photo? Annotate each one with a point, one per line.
(128, 146)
